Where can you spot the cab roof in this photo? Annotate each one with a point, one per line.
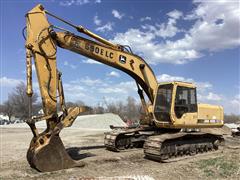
(180, 83)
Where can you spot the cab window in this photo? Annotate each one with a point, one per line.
(163, 102)
(185, 101)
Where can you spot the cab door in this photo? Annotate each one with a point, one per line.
(185, 106)
(162, 104)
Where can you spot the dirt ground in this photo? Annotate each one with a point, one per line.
(102, 164)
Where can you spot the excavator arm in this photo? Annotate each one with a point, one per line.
(41, 47)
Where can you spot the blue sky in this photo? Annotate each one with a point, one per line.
(196, 41)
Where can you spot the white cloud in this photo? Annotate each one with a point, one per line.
(204, 86)
(127, 88)
(98, 1)
(73, 86)
(9, 82)
(90, 61)
(147, 18)
(106, 27)
(145, 43)
(113, 74)
(87, 81)
(77, 2)
(74, 91)
(205, 35)
(232, 105)
(97, 21)
(131, 17)
(210, 97)
(110, 90)
(216, 25)
(163, 30)
(72, 66)
(169, 78)
(236, 101)
(81, 2)
(92, 91)
(67, 3)
(175, 14)
(117, 14)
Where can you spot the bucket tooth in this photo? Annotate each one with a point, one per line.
(50, 155)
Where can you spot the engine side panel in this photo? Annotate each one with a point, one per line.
(210, 114)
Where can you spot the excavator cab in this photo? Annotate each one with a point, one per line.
(174, 101)
(176, 107)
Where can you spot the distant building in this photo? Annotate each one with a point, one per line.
(234, 127)
(6, 119)
(40, 112)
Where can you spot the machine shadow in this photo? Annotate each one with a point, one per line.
(75, 152)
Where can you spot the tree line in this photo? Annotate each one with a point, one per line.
(17, 105)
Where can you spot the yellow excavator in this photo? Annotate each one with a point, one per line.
(173, 124)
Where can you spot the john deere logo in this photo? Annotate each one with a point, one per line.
(122, 59)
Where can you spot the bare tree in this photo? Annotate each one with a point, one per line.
(127, 111)
(114, 107)
(20, 101)
(80, 103)
(7, 109)
(36, 107)
(1, 108)
(111, 108)
(231, 118)
(98, 109)
(132, 109)
(74, 104)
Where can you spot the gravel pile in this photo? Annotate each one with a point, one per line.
(101, 121)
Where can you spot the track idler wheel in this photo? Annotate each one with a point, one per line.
(49, 154)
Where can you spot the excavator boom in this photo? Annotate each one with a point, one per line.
(41, 46)
(131, 64)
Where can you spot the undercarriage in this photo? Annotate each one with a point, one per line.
(162, 146)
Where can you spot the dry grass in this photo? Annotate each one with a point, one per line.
(222, 167)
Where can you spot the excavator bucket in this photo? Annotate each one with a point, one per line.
(50, 157)
(46, 151)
